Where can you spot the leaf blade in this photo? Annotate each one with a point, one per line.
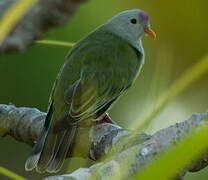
(12, 17)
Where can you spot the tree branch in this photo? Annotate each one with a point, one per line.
(43, 16)
(124, 147)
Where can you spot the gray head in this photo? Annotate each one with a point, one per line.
(131, 25)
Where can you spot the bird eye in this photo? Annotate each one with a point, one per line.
(133, 21)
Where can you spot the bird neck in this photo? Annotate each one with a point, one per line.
(119, 32)
(138, 45)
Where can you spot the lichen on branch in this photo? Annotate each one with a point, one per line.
(122, 147)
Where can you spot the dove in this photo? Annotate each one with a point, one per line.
(97, 71)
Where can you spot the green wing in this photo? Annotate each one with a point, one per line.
(107, 71)
(95, 73)
(93, 93)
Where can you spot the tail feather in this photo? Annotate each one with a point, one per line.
(59, 139)
(47, 152)
(32, 161)
(64, 147)
(51, 148)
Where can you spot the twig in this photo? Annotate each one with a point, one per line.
(121, 145)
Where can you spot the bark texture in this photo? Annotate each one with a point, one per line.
(126, 149)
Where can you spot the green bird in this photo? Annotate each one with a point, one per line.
(97, 71)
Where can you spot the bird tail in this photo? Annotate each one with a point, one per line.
(51, 148)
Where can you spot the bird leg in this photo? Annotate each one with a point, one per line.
(106, 119)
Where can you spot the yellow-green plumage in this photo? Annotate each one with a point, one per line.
(105, 65)
(97, 70)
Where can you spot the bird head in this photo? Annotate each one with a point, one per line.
(131, 25)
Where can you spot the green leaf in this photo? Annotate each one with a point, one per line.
(12, 17)
(10, 174)
(178, 157)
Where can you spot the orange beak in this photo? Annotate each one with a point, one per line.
(150, 32)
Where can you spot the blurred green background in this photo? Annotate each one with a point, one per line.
(181, 26)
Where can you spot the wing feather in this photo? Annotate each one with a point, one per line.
(94, 92)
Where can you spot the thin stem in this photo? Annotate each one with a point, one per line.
(10, 174)
(181, 84)
(55, 43)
